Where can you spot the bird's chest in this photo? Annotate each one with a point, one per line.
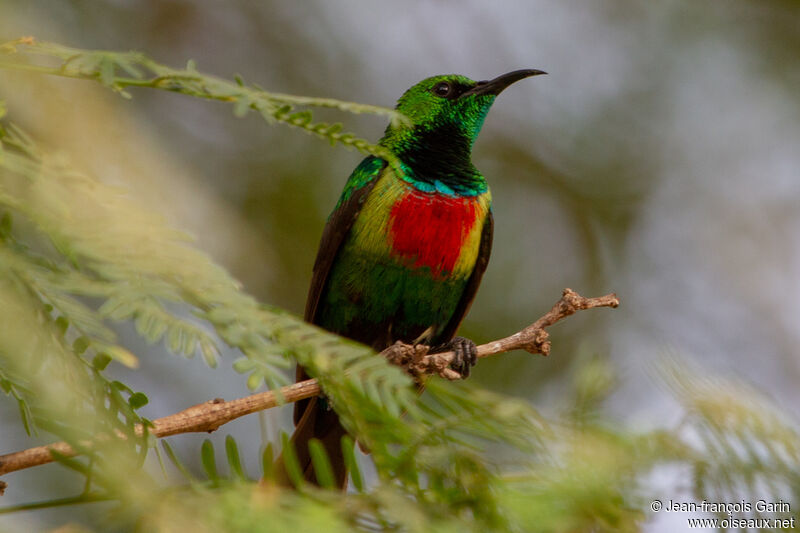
(422, 232)
(404, 265)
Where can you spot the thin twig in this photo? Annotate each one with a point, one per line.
(210, 415)
(533, 339)
(204, 417)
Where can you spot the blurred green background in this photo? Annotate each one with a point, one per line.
(659, 159)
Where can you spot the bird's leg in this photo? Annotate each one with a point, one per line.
(466, 354)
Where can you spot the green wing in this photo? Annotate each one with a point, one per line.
(358, 186)
(339, 223)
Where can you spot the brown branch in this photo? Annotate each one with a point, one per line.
(204, 417)
(210, 415)
(533, 339)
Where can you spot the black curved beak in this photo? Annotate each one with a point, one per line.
(497, 85)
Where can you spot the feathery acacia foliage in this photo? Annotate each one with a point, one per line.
(77, 255)
(119, 70)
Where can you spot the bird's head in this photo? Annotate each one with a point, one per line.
(452, 105)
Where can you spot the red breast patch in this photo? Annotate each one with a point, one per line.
(430, 229)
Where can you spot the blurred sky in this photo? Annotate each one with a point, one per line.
(659, 159)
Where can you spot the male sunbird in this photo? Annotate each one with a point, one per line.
(401, 256)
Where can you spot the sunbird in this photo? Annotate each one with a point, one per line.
(401, 256)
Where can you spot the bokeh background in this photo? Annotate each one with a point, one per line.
(659, 159)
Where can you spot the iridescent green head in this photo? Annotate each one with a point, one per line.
(453, 100)
(446, 114)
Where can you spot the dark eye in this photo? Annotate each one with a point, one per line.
(442, 89)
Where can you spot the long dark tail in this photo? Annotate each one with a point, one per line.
(315, 421)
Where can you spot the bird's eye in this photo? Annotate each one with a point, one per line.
(442, 89)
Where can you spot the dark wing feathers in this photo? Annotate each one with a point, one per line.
(333, 236)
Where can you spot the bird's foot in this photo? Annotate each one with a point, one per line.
(466, 354)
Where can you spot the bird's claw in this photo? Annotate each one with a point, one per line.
(466, 354)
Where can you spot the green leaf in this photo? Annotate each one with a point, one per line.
(210, 352)
(25, 415)
(80, 344)
(138, 400)
(234, 462)
(106, 74)
(71, 463)
(209, 461)
(241, 106)
(243, 365)
(62, 324)
(301, 118)
(129, 67)
(290, 461)
(174, 338)
(120, 386)
(100, 361)
(175, 461)
(322, 464)
(123, 356)
(254, 381)
(349, 456)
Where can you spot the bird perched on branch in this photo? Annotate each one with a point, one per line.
(402, 256)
